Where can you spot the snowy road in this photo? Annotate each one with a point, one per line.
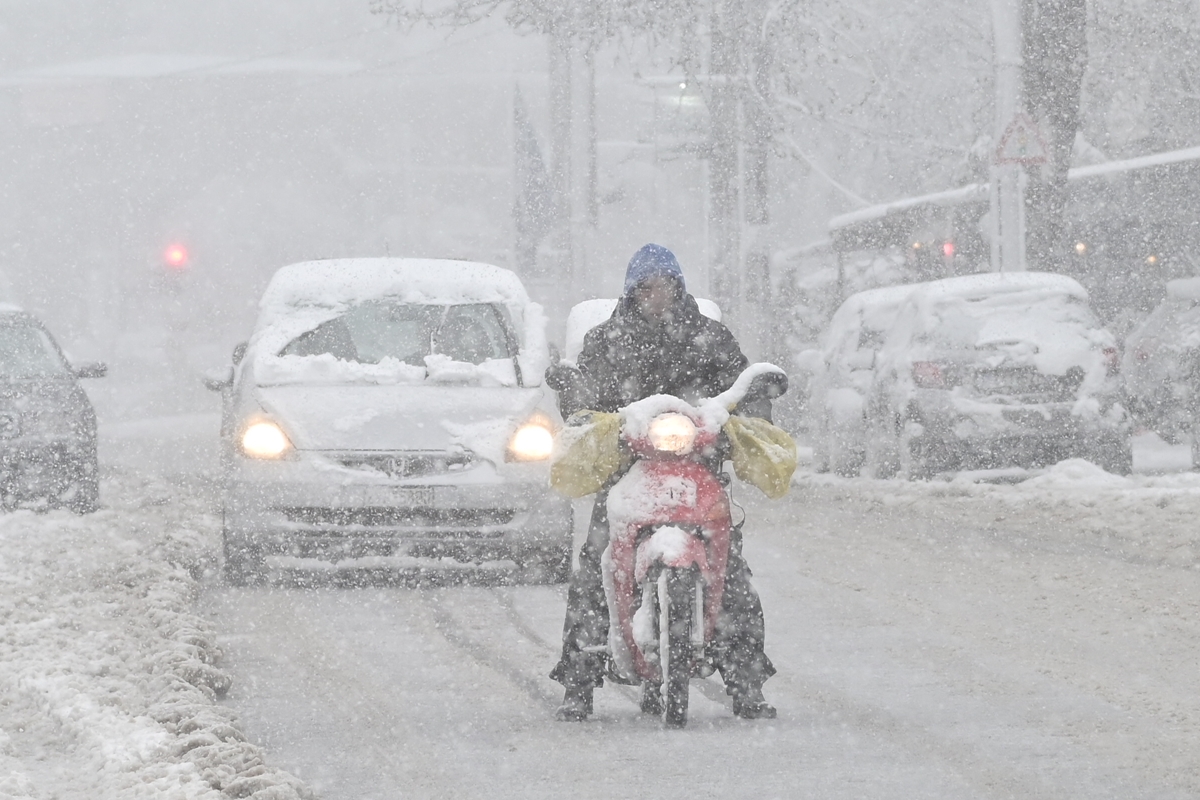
(941, 641)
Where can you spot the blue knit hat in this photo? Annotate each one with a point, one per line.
(651, 261)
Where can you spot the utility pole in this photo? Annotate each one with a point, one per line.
(1008, 180)
(758, 137)
(560, 154)
(724, 224)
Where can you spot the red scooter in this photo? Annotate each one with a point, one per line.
(669, 533)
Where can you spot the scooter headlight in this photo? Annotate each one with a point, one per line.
(672, 433)
(533, 441)
(264, 439)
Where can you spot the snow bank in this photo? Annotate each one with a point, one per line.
(109, 680)
(1149, 518)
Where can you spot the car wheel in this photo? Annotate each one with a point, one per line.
(882, 455)
(1196, 447)
(844, 459)
(244, 564)
(83, 496)
(820, 459)
(1116, 455)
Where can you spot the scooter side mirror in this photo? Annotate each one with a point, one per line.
(562, 377)
(770, 385)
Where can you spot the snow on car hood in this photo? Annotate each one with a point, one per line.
(400, 417)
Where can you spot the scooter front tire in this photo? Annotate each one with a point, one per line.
(676, 608)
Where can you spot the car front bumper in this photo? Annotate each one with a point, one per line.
(34, 467)
(275, 508)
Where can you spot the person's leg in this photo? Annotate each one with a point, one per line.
(738, 649)
(585, 629)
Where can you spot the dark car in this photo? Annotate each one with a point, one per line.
(47, 424)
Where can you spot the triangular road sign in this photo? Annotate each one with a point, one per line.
(1022, 143)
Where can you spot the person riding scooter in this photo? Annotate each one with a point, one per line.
(656, 342)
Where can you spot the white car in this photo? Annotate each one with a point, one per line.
(1160, 365)
(841, 373)
(392, 409)
(993, 371)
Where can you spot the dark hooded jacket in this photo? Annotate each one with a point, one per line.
(628, 357)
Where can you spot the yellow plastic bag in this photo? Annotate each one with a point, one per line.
(762, 454)
(587, 455)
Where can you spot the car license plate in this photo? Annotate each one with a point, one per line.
(402, 496)
(410, 496)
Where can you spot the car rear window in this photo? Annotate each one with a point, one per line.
(968, 323)
(368, 333)
(27, 351)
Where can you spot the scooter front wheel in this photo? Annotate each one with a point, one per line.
(676, 610)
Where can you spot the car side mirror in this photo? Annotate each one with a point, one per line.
(239, 352)
(94, 369)
(809, 361)
(861, 359)
(218, 380)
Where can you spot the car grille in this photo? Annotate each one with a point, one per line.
(390, 517)
(1027, 382)
(408, 465)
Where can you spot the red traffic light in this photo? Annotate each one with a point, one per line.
(175, 256)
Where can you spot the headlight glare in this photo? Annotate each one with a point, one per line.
(264, 439)
(533, 441)
(672, 433)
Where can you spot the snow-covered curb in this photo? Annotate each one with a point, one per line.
(1150, 518)
(109, 680)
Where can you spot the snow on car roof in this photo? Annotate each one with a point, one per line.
(339, 283)
(882, 296)
(986, 284)
(1184, 289)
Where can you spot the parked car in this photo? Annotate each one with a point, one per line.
(996, 370)
(47, 423)
(1160, 365)
(841, 372)
(392, 407)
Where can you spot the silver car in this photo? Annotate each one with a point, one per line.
(392, 410)
(993, 371)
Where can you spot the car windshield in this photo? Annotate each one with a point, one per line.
(26, 351)
(375, 330)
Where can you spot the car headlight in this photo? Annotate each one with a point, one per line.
(264, 439)
(533, 441)
(672, 433)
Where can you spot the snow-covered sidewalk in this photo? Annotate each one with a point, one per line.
(109, 679)
(1149, 518)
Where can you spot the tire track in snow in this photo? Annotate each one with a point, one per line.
(486, 655)
(713, 690)
(366, 712)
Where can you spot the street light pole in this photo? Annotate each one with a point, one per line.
(1007, 184)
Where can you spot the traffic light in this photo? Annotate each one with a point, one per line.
(175, 256)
